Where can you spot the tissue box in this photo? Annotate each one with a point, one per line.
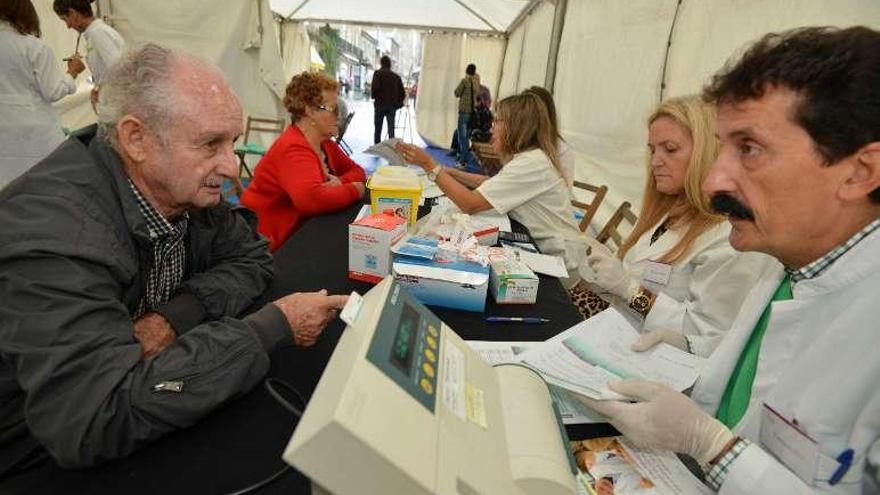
(512, 282)
(369, 246)
(447, 282)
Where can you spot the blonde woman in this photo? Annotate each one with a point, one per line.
(676, 273)
(531, 187)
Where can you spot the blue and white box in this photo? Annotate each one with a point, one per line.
(443, 281)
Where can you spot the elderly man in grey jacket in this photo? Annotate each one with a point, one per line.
(122, 274)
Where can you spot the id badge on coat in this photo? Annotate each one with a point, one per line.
(658, 273)
(792, 446)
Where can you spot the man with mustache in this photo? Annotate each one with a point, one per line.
(122, 274)
(789, 401)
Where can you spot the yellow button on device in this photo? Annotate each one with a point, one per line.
(426, 386)
(430, 355)
(429, 370)
(432, 330)
(432, 342)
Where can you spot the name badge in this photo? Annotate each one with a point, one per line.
(658, 273)
(792, 446)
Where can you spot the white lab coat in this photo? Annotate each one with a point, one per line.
(818, 365)
(104, 47)
(705, 289)
(31, 80)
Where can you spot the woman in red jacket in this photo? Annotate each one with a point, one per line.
(304, 173)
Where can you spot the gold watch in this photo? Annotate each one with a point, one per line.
(432, 175)
(642, 300)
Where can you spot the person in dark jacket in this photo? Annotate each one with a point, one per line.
(466, 92)
(122, 274)
(388, 95)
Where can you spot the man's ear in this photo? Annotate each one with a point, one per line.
(133, 138)
(865, 175)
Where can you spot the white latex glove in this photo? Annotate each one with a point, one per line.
(610, 276)
(663, 418)
(650, 339)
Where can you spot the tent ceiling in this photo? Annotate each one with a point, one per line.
(494, 16)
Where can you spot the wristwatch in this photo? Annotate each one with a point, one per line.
(641, 301)
(432, 175)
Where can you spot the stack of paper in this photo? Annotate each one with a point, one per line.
(584, 358)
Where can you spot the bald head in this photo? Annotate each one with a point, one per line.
(159, 86)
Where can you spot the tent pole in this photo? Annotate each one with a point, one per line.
(668, 48)
(475, 14)
(556, 37)
(526, 11)
(392, 25)
(291, 14)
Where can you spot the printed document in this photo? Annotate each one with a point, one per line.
(584, 358)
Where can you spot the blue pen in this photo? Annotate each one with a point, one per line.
(845, 460)
(516, 319)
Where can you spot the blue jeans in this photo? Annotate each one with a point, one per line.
(380, 113)
(464, 147)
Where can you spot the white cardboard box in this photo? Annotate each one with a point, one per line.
(369, 246)
(443, 282)
(512, 282)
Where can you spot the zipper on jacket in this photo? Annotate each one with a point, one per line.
(175, 386)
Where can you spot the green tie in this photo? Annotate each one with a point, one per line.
(736, 397)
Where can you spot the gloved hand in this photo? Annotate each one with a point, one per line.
(650, 339)
(610, 277)
(663, 418)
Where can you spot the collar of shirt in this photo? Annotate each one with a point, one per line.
(820, 265)
(158, 225)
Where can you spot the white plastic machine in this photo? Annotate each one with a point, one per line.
(406, 407)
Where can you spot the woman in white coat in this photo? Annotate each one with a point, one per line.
(31, 81)
(676, 272)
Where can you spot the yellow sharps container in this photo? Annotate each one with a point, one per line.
(396, 190)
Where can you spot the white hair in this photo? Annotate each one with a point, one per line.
(139, 85)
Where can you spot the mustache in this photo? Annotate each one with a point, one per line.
(726, 204)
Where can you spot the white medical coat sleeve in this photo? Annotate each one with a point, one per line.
(720, 281)
(52, 83)
(754, 470)
(522, 179)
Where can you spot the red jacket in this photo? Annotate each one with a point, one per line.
(288, 185)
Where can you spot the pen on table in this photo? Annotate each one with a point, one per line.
(516, 319)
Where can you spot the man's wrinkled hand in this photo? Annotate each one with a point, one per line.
(308, 313)
(154, 333)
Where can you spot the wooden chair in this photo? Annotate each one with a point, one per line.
(609, 231)
(255, 124)
(489, 160)
(592, 207)
(339, 137)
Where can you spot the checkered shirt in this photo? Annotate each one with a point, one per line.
(718, 472)
(821, 264)
(169, 254)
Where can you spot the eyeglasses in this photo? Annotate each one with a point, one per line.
(333, 110)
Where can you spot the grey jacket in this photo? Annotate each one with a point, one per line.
(74, 256)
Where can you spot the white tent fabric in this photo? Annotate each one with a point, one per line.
(471, 15)
(525, 64)
(445, 56)
(611, 60)
(296, 52)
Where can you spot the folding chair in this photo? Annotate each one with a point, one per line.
(339, 137)
(255, 124)
(489, 160)
(592, 207)
(609, 231)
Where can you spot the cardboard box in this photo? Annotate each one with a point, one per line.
(512, 282)
(451, 283)
(369, 246)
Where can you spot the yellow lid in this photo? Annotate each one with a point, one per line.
(395, 178)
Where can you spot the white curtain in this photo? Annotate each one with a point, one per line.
(528, 46)
(436, 105)
(444, 58)
(295, 49)
(608, 71)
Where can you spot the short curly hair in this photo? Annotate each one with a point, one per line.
(305, 90)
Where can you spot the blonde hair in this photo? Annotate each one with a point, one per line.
(690, 210)
(527, 126)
